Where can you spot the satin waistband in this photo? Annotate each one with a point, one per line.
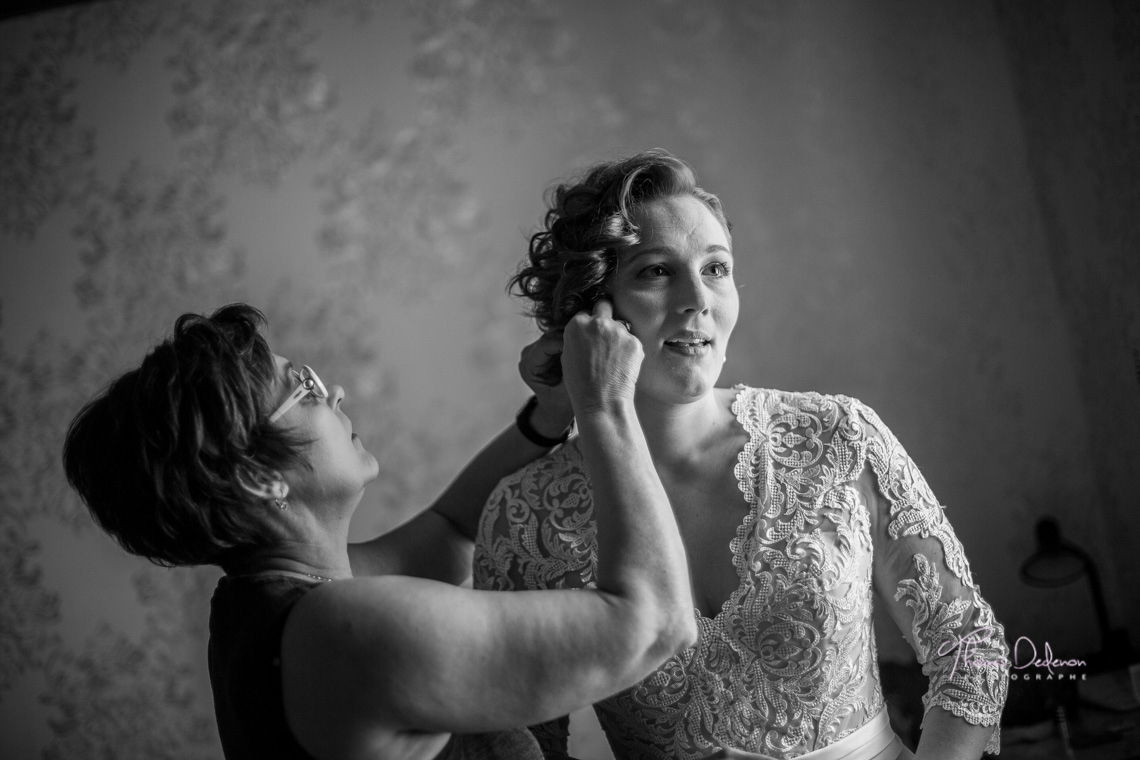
(874, 740)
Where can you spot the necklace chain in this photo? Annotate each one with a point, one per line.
(317, 577)
(295, 573)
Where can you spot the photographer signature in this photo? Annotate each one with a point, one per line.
(1025, 654)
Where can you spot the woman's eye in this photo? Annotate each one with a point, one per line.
(654, 270)
(720, 269)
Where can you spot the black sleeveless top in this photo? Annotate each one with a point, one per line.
(247, 618)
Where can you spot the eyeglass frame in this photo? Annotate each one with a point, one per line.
(309, 383)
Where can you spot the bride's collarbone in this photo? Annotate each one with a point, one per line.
(707, 490)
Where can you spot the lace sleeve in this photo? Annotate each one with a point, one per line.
(922, 574)
(537, 532)
(554, 738)
(537, 529)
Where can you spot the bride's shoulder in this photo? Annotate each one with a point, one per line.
(557, 466)
(770, 404)
(776, 400)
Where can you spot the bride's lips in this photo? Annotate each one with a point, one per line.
(689, 343)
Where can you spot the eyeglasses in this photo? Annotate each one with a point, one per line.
(309, 383)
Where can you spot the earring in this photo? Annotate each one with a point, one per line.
(281, 501)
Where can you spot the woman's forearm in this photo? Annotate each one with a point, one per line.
(437, 542)
(641, 558)
(400, 653)
(948, 737)
(462, 501)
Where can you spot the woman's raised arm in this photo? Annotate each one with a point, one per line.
(437, 542)
(366, 662)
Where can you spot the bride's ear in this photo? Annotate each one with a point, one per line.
(262, 484)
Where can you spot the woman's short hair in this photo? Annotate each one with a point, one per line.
(587, 222)
(163, 456)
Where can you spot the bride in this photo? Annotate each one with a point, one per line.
(798, 510)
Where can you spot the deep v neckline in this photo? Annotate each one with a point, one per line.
(744, 484)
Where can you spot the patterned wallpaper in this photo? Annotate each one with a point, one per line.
(366, 171)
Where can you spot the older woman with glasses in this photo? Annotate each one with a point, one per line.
(217, 451)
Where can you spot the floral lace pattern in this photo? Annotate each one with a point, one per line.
(789, 664)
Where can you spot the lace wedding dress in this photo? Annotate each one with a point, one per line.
(837, 511)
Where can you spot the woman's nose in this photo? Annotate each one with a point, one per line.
(693, 295)
(336, 395)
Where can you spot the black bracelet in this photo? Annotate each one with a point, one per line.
(522, 419)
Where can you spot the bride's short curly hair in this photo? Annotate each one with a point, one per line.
(588, 221)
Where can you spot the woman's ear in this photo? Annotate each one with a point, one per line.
(263, 484)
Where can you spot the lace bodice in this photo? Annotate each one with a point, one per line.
(837, 510)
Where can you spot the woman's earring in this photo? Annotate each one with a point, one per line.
(283, 489)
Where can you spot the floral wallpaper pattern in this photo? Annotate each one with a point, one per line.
(366, 171)
(43, 148)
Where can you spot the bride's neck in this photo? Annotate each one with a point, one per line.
(678, 432)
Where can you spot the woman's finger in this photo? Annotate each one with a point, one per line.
(539, 363)
(601, 360)
(539, 352)
(603, 309)
(550, 343)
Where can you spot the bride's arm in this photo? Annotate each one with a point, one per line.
(923, 579)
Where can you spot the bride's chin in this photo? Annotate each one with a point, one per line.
(680, 390)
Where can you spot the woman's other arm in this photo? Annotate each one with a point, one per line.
(367, 661)
(921, 574)
(437, 542)
(945, 736)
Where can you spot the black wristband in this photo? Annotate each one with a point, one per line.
(522, 419)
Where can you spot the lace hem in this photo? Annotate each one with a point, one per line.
(968, 674)
(960, 710)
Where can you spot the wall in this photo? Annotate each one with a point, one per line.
(1077, 82)
(932, 212)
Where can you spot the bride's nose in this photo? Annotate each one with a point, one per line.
(336, 395)
(692, 294)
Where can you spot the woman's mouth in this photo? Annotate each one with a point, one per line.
(689, 343)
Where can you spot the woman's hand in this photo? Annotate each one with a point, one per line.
(554, 412)
(600, 361)
(737, 754)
